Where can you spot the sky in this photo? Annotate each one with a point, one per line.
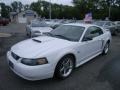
(64, 2)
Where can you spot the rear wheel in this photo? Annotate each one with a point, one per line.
(64, 67)
(106, 49)
(28, 34)
(115, 33)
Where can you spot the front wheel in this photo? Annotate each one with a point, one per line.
(115, 32)
(28, 34)
(64, 67)
(106, 49)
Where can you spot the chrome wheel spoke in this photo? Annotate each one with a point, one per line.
(62, 69)
(71, 67)
(66, 67)
(106, 48)
(67, 61)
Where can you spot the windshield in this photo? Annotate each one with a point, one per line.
(69, 32)
(100, 23)
(39, 24)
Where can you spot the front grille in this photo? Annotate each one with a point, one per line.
(16, 57)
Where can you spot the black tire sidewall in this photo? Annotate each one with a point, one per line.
(57, 71)
(104, 53)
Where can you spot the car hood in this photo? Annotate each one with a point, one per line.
(39, 46)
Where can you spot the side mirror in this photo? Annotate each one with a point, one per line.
(87, 38)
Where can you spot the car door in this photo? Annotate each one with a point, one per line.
(92, 43)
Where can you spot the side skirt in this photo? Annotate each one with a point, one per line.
(84, 61)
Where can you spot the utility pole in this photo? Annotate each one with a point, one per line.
(110, 5)
(0, 8)
(109, 11)
(17, 8)
(50, 10)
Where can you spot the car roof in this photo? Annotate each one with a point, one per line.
(81, 24)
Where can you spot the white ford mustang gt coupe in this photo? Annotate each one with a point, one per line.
(58, 52)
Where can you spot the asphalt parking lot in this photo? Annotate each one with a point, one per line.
(101, 73)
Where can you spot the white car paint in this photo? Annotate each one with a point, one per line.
(37, 31)
(54, 49)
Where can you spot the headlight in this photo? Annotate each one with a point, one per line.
(34, 62)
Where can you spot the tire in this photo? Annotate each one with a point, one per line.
(106, 49)
(28, 34)
(115, 33)
(64, 67)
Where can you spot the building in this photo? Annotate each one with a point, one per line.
(29, 15)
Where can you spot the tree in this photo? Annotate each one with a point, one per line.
(99, 8)
(26, 7)
(17, 6)
(5, 10)
(14, 6)
(20, 6)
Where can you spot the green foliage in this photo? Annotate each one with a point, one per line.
(99, 8)
(16, 6)
(5, 10)
(58, 11)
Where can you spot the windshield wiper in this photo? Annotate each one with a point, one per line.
(58, 36)
(63, 37)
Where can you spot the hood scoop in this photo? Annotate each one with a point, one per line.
(37, 40)
(42, 39)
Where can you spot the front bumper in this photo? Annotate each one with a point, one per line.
(30, 72)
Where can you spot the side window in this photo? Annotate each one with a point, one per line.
(100, 31)
(92, 32)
